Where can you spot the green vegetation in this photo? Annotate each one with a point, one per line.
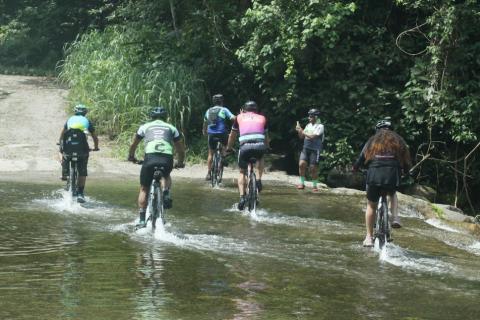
(357, 61)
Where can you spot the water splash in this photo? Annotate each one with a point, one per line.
(397, 256)
(61, 201)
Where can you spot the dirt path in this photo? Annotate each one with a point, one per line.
(32, 113)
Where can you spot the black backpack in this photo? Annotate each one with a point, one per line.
(75, 142)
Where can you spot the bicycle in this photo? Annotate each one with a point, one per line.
(251, 192)
(382, 228)
(155, 205)
(216, 171)
(72, 178)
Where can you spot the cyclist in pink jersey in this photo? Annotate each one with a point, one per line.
(254, 142)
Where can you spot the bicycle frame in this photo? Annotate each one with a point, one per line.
(251, 190)
(155, 198)
(72, 180)
(216, 171)
(382, 230)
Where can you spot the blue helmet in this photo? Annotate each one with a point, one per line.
(80, 110)
(158, 112)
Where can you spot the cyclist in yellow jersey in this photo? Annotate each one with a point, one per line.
(73, 138)
(161, 140)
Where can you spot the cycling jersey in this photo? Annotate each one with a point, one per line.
(317, 142)
(252, 127)
(159, 137)
(215, 117)
(80, 123)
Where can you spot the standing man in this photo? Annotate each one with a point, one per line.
(160, 138)
(254, 142)
(214, 126)
(73, 139)
(312, 136)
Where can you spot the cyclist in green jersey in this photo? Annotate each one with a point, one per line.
(161, 139)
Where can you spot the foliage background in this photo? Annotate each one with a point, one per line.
(357, 61)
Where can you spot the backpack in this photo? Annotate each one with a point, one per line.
(75, 141)
(213, 115)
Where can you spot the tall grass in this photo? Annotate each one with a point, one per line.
(103, 72)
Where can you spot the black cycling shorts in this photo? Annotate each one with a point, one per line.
(151, 161)
(82, 162)
(217, 137)
(374, 192)
(250, 150)
(312, 157)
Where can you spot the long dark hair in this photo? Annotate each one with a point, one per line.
(387, 142)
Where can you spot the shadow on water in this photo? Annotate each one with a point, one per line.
(299, 256)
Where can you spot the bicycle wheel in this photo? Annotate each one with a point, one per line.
(157, 204)
(220, 169)
(213, 170)
(386, 220)
(252, 192)
(380, 224)
(160, 207)
(73, 178)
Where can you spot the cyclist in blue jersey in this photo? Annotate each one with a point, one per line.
(161, 139)
(214, 125)
(79, 124)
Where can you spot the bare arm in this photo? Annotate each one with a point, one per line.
(231, 139)
(61, 134)
(133, 148)
(204, 130)
(95, 140)
(180, 151)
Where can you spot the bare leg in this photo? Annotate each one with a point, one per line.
(209, 159)
(241, 182)
(166, 183)
(302, 168)
(369, 217)
(260, 168)
(393, 200)
(81, 181)
(142, 197)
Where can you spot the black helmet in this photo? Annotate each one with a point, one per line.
(158, 112)
(217, 99)
(314, 112)
(80, 110)
(385, 123)
(250, 106)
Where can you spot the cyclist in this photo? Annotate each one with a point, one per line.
(386, 155)
(254, 142)
(160, 140)
(312, 136)
(73, 138)
(214, 126)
